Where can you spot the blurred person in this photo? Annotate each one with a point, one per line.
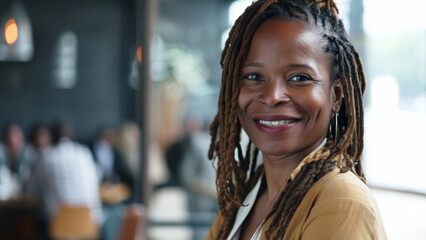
(111, 165)
(25, 220)
(15, 158)
(66, 174)
(185, 158)
(40, 141)
(116, 181)
(195, 173)
(40, 137)
(295, 84)
(189, 169)
(175, 153)
(174, 156)
(129, 140)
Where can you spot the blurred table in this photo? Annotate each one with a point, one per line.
(20, 219)
(113, 193)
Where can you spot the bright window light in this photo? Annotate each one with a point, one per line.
(382, 17)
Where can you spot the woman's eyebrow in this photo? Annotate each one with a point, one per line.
(253, 64)
(294, 65)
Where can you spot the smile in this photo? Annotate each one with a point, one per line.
(275, 123)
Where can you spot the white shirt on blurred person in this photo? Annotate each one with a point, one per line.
(105, 155)
(67, 175)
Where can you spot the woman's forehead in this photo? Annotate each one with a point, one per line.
(296, 38)
(289, 30)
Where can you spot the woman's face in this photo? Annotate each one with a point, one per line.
(286, 100)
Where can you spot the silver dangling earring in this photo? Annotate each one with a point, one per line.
(331, 126)
(336, 127)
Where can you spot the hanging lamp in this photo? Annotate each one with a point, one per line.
(16, 38)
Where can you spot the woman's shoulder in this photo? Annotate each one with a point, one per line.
(215, 228)
(333, 205)
(336, 185)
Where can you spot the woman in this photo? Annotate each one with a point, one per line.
(293, 81)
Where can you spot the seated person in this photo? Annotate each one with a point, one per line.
(112, 168)
(40, 139)
(66, 175)
(15, 158)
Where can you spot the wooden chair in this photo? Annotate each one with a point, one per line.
(134, 223)
(73, 222)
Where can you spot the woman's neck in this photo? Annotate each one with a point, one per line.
(276, 174)
(279, 168)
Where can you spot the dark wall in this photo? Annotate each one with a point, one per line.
(101, 95)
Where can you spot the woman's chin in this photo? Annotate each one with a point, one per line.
(275, 150)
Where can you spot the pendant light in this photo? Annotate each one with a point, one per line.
(16, 39)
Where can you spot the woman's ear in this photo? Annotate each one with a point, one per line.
(337, 92)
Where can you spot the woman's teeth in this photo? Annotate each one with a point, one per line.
(276, 123)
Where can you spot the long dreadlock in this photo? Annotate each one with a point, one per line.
(236, 177)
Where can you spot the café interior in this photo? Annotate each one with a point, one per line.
(121, 89)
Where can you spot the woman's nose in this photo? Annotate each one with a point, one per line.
(274, 93)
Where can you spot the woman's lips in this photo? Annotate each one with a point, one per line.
(275, 124)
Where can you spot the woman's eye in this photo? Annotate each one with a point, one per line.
(300, 78)
(253, 76)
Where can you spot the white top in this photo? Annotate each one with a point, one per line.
(248, 203)
(243, 212)
(67, 175)
(105, 156)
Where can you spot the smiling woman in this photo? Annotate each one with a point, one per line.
(293, 81)
(286, 98)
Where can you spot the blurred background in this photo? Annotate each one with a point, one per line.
(116, 97)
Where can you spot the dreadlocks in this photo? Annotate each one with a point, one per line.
(236, 177)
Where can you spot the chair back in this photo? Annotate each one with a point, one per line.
(73, 222)
(133, 226)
